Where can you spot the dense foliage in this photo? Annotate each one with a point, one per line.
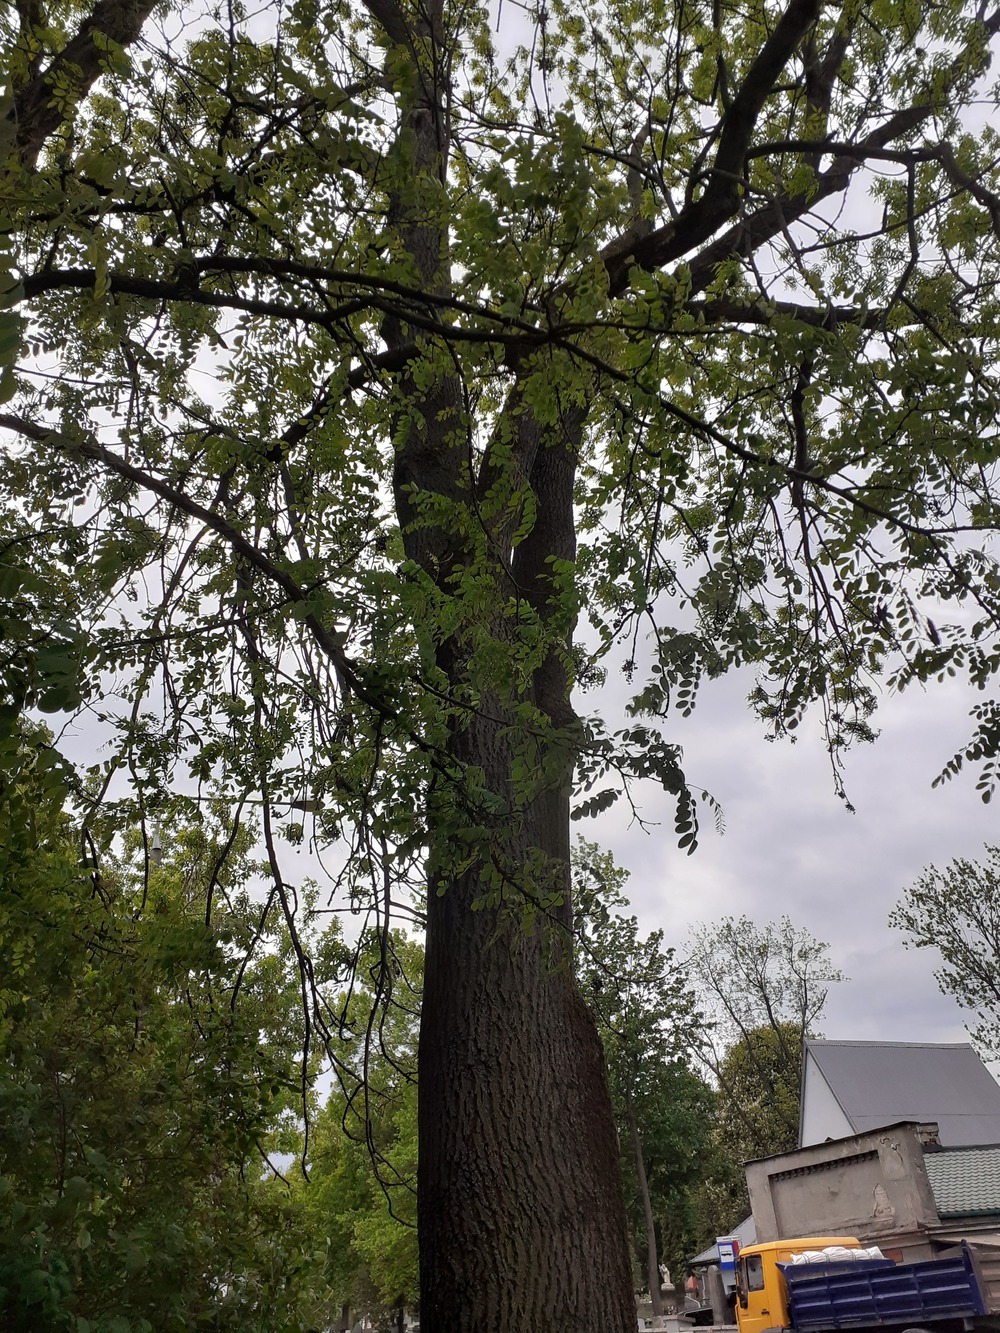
(151, 1089)
(760, 1080)
(352, 352)
(361, 1192)
(140, 1104)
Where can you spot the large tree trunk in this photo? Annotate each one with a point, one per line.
(520, 1210)
(521, 1222)
(521, 1216)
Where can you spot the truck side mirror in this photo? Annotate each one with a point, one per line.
(741, 1283)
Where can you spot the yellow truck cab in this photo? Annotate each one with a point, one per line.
(761, 1299)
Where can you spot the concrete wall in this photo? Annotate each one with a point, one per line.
(873, 1186)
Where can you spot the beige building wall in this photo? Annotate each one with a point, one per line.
(873, 1186)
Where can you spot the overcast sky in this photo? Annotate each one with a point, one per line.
(792, 847)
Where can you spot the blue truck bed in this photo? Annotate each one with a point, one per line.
(865, 1294)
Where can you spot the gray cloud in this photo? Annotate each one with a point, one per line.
(791, 846)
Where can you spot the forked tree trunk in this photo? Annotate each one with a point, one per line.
(521, 1221)
(521, 1217)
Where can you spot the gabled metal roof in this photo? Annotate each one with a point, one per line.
(965, 1181)
(879, 1083)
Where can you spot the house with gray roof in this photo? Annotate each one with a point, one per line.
(850, 1087)
(899, 1146)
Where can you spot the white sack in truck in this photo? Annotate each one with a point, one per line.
(836, 1253)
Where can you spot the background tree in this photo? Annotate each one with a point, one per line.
(648, 1024)
(763, 989)
(957, 912)
(361, 1192)
(363, 354)
(760, 1078)
(687, 1164)
(141, 1105)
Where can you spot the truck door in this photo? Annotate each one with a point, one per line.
(753, 1309)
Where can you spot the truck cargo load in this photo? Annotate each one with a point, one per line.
(876, 1292)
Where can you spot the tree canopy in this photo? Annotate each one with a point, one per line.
(762, 989)
(751, 977)
(352, 353)
(760, 1080)
(141, 1106)
(361, 1191)
(957, 912)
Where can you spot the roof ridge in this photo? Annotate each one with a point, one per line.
(936, 1149)
(914, 1045)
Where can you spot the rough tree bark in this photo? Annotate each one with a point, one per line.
(521, 1219)
(44, 89)
(520, 1216)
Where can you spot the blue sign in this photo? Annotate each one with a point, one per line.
(727, 1253)
(728, 1250)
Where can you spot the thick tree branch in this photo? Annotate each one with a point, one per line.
(721, 197)
(433, 451)
(390, 18)
(549, 546)
(696, 224)
(761, 226)
(732, 310)
(355, 282)
(722, 192)
(979, 192)
(31, 21)
(821, 75)
(405, 319)
(48, 99)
